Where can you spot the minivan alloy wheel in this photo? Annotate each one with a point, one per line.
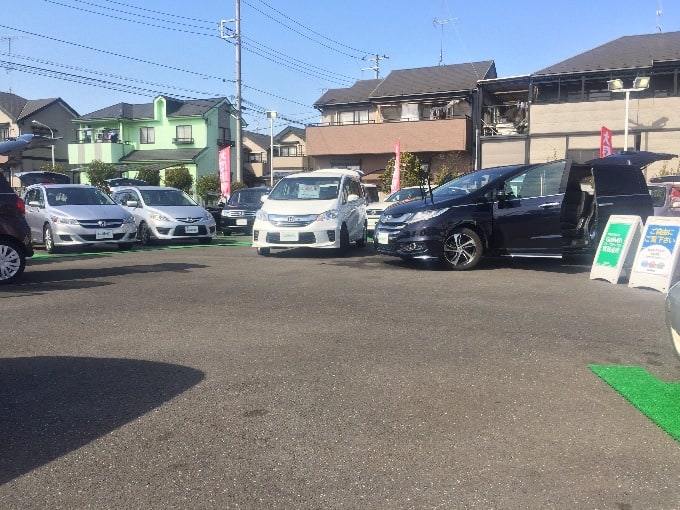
(462, 249)
(48, 239)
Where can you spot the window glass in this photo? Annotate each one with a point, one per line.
(306, 188)
(146, 135)
(544, 180)
(620, 180)
(183, 133)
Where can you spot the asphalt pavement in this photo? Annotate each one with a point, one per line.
(211, 377)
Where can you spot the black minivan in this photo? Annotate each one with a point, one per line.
(15, 235)
(542, 209)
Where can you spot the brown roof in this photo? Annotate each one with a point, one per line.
(629, 52)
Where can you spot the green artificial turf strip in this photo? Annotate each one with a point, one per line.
(656, 399)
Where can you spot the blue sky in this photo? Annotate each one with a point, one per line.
(292, 50)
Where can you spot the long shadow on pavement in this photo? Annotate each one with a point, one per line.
(50, 406)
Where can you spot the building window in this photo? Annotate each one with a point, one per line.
(255, 157)
(225, 135)
(287, 150)
(353, 117)
(146, 135)
(183, 134)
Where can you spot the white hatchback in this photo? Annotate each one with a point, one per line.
(319, 209)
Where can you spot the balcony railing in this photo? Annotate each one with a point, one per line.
(182, 141)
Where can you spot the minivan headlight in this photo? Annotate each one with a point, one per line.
(261, 215)
(129, 219)
(160, 217)
(331, 214)
(426, 215)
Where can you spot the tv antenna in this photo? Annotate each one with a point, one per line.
(441, 22)
(659, 12)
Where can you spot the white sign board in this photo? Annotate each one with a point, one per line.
(614, 257)
(657, 254)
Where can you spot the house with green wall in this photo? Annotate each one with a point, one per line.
(167, 133)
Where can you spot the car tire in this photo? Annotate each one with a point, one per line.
(265, 252)
(48, 239)
(144, 234)
(462, 249)
(344, 240)
(362, 241)
(125, 246)
(12, 260)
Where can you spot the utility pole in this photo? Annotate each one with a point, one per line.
(376, 64)
(236, 36)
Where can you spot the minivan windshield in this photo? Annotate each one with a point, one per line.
(306, 188)
(471, 182)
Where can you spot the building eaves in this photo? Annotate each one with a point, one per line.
(155, 155)
(34, 105)
(628, 52)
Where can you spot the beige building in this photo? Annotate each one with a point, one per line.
(558, 111)
(289, 153)
(429, 110)
(38, 116)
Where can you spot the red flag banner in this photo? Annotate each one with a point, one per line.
(606, 142)
(396, 175)
(225, 170)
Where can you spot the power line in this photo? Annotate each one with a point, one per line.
(306, 28)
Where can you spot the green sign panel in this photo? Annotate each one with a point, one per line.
(612, 244)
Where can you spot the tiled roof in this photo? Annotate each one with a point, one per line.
(357, 93)
(434, 80)
(412, 82)
(162, 155)
(175, 108)
(299, 132)
(18, 108)
(12, 104)
(258, 139)
(629, 52)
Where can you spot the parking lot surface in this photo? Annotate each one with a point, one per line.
(211, 377)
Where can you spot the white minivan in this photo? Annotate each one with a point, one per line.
(319, 209)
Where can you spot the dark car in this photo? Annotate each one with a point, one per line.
(543, 209)
(15, 235)
(238, 214)
(665, 197)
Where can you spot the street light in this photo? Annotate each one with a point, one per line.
(640, 83)
(38, 123)
(271, 115)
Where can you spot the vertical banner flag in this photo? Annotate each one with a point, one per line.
(396, 176)
(225, 171)
(605, 142)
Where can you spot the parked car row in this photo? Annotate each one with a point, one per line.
(67, 215)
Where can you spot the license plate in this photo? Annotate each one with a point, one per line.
(242, 222)
(191, 229)
(383, 238)
(289, 236)
(103, 234)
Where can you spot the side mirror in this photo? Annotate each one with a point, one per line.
(34, 203)
(263, 198)
(353, 198)
(132, 203)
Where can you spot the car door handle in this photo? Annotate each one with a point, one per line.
(548, 205)
(606, 204)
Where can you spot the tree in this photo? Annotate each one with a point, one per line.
(411, 173)
(180, 178)
(238, 185)
(98, 172)
(153, 177)
(208, 183)
(57, 168)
